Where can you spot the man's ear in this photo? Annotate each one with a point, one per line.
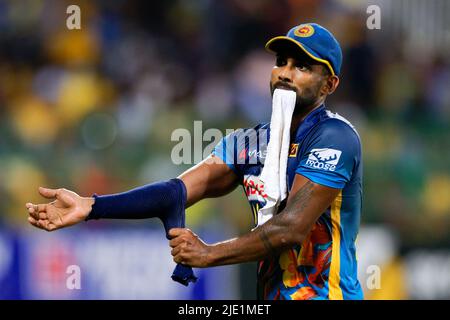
(331, 84)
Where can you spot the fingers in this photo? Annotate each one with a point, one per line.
(63, 195)
(36, 208)
(189, 249)
(48, 193)
(179, 259)
(37, 211)
(33, 222)
(180, 235)
(176, 242)
(42, 224)
(179, 255)
(175, 251)
(175, 232)
(181, 243)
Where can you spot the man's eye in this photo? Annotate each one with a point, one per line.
(281, 62)
(302, 67)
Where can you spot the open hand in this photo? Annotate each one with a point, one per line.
(67, 209)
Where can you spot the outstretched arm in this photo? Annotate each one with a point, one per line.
(307, 201)
(210, 178)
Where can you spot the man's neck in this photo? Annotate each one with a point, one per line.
(298, 118)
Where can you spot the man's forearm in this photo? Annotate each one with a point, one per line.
(284, 230)
(264, 241)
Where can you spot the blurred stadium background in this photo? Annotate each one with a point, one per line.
(93, 110)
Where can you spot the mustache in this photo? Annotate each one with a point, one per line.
(283, 85)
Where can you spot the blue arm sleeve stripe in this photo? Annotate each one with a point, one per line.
(230, 165)
(221, 151)
(321, 179)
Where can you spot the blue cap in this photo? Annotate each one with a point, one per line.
(314, 40)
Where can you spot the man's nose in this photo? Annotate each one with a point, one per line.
(285, 74)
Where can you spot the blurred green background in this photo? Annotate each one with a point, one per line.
(93, 110)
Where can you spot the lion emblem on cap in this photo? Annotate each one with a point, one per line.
(304, 30)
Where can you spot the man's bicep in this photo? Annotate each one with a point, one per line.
(308, 200)
(208, 179)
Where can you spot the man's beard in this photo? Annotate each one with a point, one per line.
(304, 101)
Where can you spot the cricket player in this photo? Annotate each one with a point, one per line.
(306, 248)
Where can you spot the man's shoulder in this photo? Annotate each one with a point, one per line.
(333, 132)
(261, 129)
(335, 121)
(334, 126)
(250, 138)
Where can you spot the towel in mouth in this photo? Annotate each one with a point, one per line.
(273, 173)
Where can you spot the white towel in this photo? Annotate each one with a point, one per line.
(273, 174)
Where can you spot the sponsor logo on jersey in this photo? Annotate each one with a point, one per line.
(293, 150)
(324, 159)
(254, 188)
(252, 153)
